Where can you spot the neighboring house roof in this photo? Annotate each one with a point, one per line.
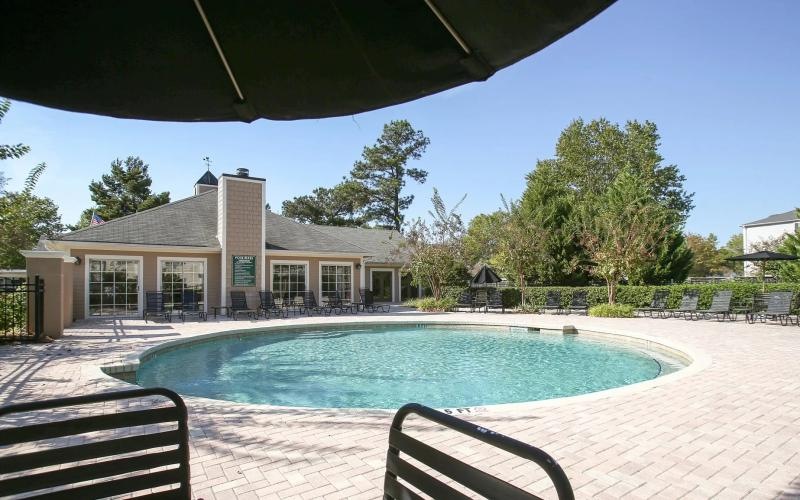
(188, 222)
(192, 222)
(383, 245)
(781, 218)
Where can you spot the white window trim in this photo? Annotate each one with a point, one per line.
(341, 264)
(273, 263)
(139, 286)
(204, 260)
(390, 269)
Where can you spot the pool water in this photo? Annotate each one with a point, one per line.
(387, 366)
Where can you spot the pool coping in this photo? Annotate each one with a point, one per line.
(696, 360)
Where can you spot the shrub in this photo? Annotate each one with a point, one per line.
(430, 304)
(612, 311)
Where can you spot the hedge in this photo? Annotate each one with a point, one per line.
(637, 296)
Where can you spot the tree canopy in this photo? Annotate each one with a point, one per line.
(373, 193)
(123, 191)
(383, 172)
(341, 205)
(24, 219)
(435, 249)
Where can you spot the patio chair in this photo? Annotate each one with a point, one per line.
(686, 308)
(154, 305)
(310, 304)
(494, 300)
(60, 454)
(552, 302)
(720, 307)
(268, 305)
(190, 306)
(465, 301)
(657, 306)
(399, 468)
(337, 304)
(779, 308)
(368, 302)
(579, 302)
(239, 306)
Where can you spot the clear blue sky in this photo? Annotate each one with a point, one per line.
(721, 79)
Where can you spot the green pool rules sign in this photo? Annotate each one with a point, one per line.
(244, 270)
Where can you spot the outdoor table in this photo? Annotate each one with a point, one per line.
(217, 309)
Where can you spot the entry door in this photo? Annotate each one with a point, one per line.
(382, 286)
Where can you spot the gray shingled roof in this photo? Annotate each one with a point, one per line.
(382, 245)
(789, 216)
(193, 222)
(283, 233)
(188, 222)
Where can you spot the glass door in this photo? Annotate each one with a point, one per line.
(382, 286)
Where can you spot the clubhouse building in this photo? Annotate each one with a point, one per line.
(221, 239)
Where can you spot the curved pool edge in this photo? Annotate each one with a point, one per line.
(696, 360)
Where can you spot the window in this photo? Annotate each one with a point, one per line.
(336, 278)
(180, 275)
(113, 287)
(288, 280)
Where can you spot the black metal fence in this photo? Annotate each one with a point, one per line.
(22, 310)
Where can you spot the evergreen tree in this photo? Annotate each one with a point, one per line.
(342, 205)
(123, 191)
(383, 173)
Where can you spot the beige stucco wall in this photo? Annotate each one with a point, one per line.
(244, 216)
(149, 274)
(52, 271)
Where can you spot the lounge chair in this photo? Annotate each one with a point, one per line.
(779, 308)
(552, 302)
(657, 306)
(686, 308)
(403, 476)
(239, 306)
(720, 307)
(154, 305)
(190, 306)
(465, 301)
(61, 455)
(368, 302)
(337, 304)
(268, 305)
(494, 300)
(578, 303)
(310, 304)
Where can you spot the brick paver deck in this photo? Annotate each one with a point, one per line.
(728, 427)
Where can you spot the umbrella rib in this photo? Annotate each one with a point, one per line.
(219, 49)
(449, 27)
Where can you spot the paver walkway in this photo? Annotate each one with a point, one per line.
(729, 430)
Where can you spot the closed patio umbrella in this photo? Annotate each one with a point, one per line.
(240, 60)
(486, 276)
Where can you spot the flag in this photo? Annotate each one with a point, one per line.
(96, 220)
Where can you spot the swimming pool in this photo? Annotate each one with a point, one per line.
(385, 366)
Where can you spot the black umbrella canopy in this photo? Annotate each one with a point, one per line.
(763, 256)
(239, 60)
(486, 276)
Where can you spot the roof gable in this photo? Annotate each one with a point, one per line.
(188, 222)
(784, 217)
